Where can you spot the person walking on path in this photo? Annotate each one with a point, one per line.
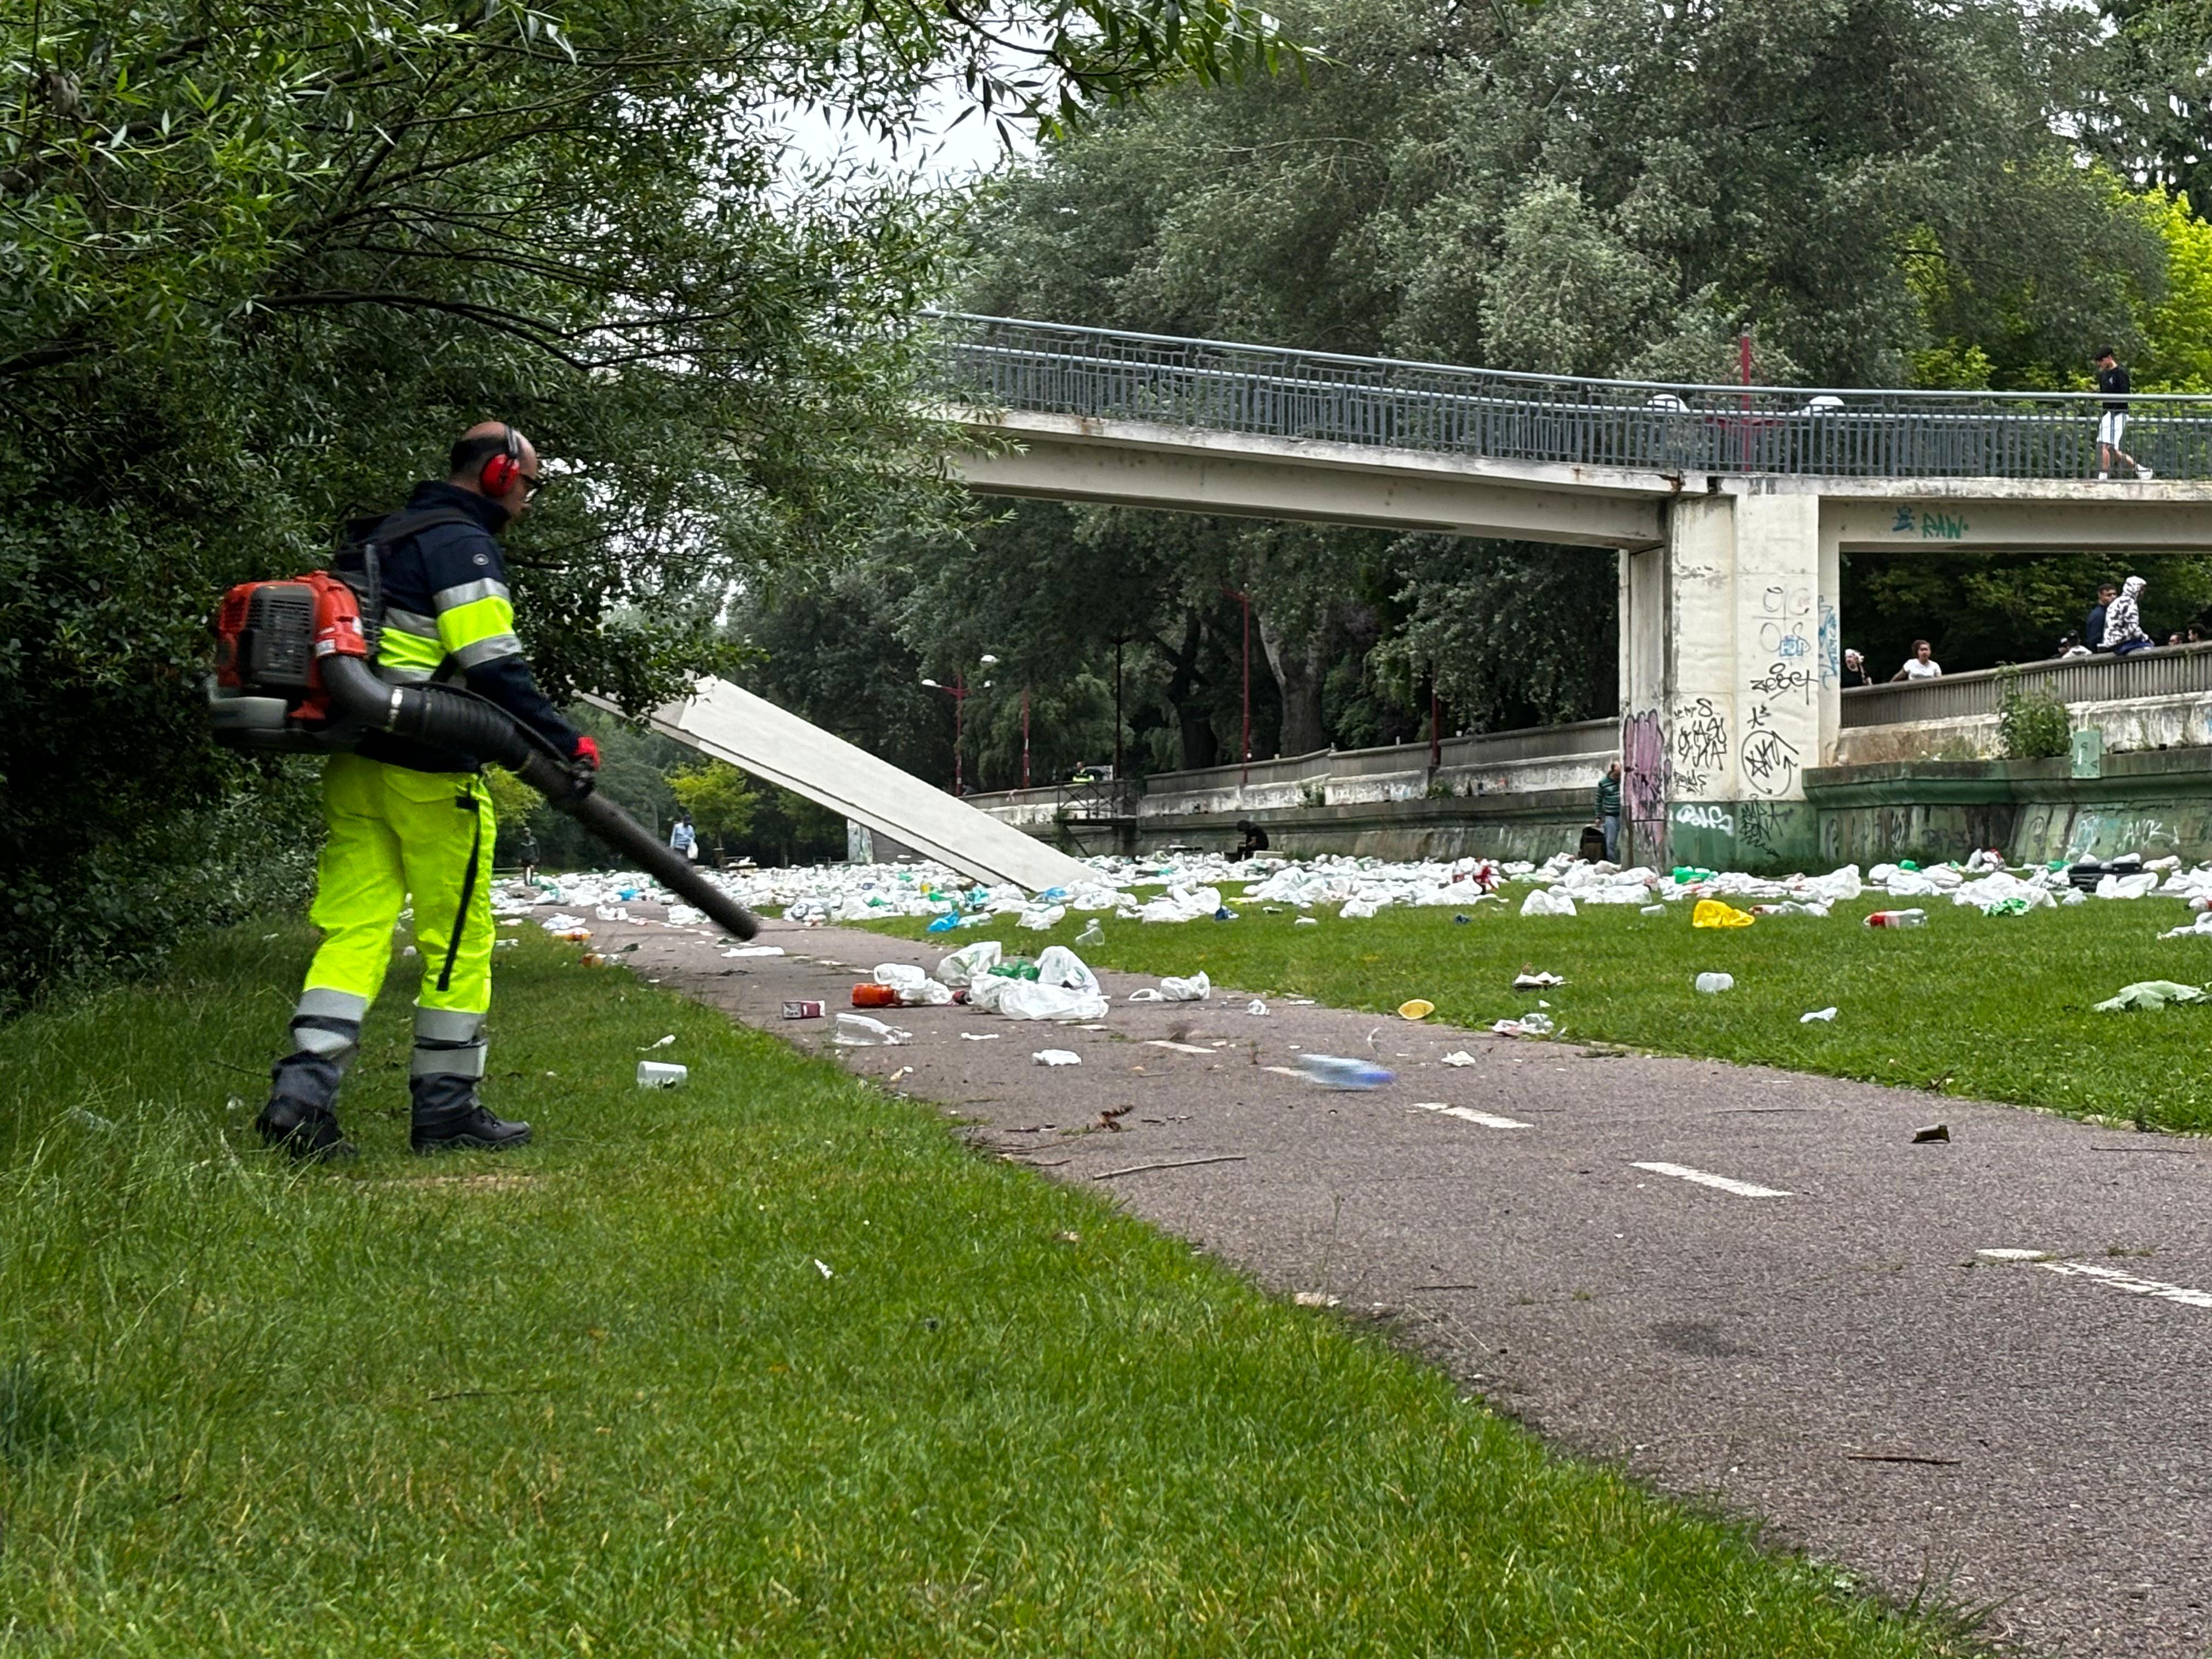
(1609, 811)
(683, 839)
(2113, 422)
(408, 821)
(2123, 628)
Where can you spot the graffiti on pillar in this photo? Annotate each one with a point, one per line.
(1643, 784)
(1755, 825)
(1696, 817)
(1786, 641)
(1829, 658)
(1768, 760)
(1701, 743)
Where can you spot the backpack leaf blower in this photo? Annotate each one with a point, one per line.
(293, 675)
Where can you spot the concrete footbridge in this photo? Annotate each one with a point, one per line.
(1730, 507)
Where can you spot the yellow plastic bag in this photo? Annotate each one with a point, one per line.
(1711, 912)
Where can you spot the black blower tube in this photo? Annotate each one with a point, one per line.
(452, 718)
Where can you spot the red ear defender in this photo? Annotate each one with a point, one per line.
(500, 472)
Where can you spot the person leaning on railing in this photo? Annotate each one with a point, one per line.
(1920, 665)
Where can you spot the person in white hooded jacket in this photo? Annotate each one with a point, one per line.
(2123, 628)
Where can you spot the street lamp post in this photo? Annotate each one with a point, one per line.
(960, 692)
(1025, 737)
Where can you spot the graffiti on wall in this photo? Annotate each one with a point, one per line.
(1701, 745)
(1768, 761)
(1645, 781)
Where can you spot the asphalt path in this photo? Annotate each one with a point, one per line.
(1978, 1371)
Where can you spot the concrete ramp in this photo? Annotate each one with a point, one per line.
(753, 735)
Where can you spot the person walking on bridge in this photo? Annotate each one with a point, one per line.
(410, 820)
(2113, 422)
(2123, 628)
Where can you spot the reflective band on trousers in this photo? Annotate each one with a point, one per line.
(446, 1024)
(461, 1059)
(322, 1041)
(321, 1001)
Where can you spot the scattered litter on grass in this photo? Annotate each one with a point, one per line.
(1711, 912)
(85, 1120)
(1713, 985)
(824, 1267)
(2200, 928)
(1913, 918)
(646, 1048)
(1543, 901)
(1933, 1132)
(1652, 910)
(1536, 982)
(2149, 994)
(1317, 1299)
(660, 1074)
(1817, 1016)
(1092, 933)
(1416, 1008)
(1336, 1072)
(1056, 1057)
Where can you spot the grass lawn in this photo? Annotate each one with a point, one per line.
(770, 1364)
(1994, 1007)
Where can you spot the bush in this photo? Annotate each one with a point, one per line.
(2032, 725)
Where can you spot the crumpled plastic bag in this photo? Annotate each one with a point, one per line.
(969, 962)
(1043, 919)
(1025, 999)
(1711, 912)
(1543, 901)
(858, 1031)
(915, 988)
(2149, 994)
(2001, 895)
(1356, 910)
(1060, 966)
(2126, 887)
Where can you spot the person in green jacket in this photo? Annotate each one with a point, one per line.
(1608, 810)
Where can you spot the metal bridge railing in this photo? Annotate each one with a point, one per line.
(2166, 671)
(1007, 363)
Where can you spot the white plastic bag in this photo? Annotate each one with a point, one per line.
(899, 975)
(1045, 919)
(1025, 999)
(1197, 988)
(1060, 966)
(969, 962)
(1543, 901)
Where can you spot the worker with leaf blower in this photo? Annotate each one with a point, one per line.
(409, 818)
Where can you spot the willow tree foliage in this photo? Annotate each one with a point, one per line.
(260, 261)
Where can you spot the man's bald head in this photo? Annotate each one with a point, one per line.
(481, 444)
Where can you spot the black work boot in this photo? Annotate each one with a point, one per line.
(301, 1117)
(449, 1119)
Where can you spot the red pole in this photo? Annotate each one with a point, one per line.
(1025, 737)
(1246, 776)
(1743, 366)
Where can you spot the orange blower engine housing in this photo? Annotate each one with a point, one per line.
(271, 638)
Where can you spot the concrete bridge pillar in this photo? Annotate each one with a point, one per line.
(1729, 678)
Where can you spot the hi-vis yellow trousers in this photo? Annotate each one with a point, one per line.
(397, 836)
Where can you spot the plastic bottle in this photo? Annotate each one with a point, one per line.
(1897, 919)
(1714, 984)
(1334, 1072)
(1093, 934)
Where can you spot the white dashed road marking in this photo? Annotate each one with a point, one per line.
(1468, 1113)
(1719, 1183)
(2130, 1283)
(2113, 1276)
